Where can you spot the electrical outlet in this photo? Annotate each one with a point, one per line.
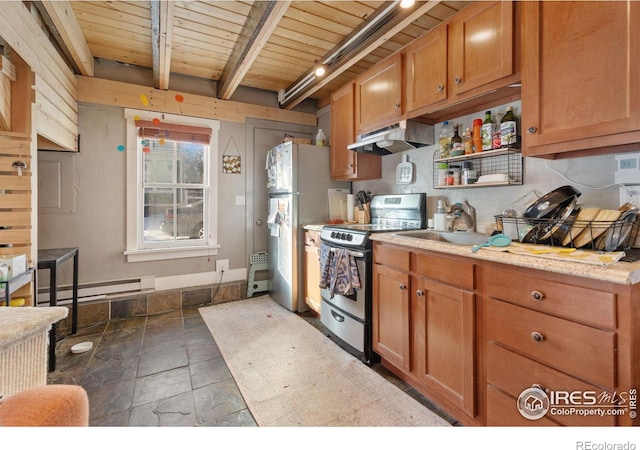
(630, 194)
(222, 265)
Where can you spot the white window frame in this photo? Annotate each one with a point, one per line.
(137, 250)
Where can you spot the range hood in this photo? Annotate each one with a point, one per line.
(404, 135)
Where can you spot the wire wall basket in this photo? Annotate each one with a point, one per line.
(500, 167)
(602, 235)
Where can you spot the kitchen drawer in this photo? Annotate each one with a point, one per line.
(446, 270)
(312, 238)
(502, 411)
(391, 256)
(585, 352)
(572, 302)
(513, 373)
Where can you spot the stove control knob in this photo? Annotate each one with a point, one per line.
(349, 237)
(334, 234)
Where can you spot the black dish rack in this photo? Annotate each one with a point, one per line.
(605, 235)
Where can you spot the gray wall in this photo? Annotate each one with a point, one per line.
(98, 224)
(539, 174)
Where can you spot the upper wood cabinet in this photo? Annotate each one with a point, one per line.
(580, 77)
(378, 95)
(346, 164)
(426, 71)
(481, 45)
(461, 59)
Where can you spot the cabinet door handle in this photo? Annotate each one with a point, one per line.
(531, 130)
(403, 287)
(397, 106)
(419, 292)
(537, 295)
(440, 87)
(538, 337)
(457, 80)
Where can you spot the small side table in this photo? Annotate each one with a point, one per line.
(50, 259)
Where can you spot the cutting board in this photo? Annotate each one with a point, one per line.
(336, 197)
(556, 253)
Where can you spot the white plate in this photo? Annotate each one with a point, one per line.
(493, 178)
(82, 347)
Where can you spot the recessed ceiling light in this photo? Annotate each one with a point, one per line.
(319, 69)
(407, 3)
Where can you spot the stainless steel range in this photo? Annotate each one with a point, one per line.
(345, 315)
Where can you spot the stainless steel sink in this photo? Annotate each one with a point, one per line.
(452, 237)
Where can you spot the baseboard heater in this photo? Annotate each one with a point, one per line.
(91, 291)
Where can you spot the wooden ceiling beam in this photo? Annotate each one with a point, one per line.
(393, 27)
(162, 13)
(66, 29)
(261, 22)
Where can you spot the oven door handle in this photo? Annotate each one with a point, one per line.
(351, 252)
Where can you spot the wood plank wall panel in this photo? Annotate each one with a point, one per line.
(15, 202)
(55, 96)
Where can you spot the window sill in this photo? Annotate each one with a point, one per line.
(159, 254)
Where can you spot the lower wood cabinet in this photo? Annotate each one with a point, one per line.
(444, 340)
(312, 295)
(481, 339)
(423, 328)
(569, 337)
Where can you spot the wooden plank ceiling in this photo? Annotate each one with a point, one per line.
(269, 45)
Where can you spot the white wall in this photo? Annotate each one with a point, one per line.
(539, 174)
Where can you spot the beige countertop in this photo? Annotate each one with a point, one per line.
(620, 272)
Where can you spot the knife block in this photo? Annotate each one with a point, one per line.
(363, 215)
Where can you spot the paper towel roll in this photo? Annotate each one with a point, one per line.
(350, 204)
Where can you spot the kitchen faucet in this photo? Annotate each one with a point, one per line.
(466, 211)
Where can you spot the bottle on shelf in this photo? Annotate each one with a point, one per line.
(476, 135)
(321, 139)
(488, 128)
(467, 142)
(508, 129)
(456, 142)
(446, 133)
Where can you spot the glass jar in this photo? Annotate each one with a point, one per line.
(469, 175)
(457, 174)
(442, 173)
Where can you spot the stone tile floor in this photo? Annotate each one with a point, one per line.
(164, 370)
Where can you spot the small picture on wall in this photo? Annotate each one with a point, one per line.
(231, 164)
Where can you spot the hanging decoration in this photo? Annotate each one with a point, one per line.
(231, 163)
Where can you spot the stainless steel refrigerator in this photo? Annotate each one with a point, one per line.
(298, 180)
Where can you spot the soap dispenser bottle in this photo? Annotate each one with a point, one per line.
(440, 217)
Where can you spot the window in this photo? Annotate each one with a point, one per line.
(171, 167)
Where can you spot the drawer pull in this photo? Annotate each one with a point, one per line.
(419, 292)
(538, 337)
(537, 295)
(440, 87)
(403, 287)
(457, 80)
